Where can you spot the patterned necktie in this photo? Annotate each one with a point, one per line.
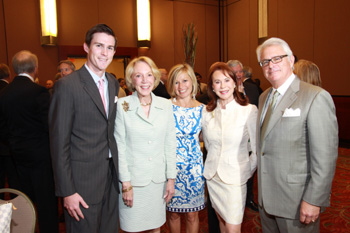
(269, 113)
(102, 93)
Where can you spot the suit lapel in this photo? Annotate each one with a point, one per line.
(287, 100)
(91, 88)
(156, 106)
(112, 93)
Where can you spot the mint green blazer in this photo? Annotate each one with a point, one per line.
(146, 146)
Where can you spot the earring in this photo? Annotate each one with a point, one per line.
(193, 96)
(174, 100)
(213, 91)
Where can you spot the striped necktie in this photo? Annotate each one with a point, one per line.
(102, 93)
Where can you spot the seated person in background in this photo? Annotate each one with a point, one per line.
(308, 72)
(65, 67)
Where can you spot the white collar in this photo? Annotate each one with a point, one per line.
(95, 77)
(282, 89)
(27, 75)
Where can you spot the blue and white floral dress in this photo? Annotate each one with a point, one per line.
(189, 184)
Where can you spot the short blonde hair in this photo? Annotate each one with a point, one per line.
(175, 72)
(129, 71)
(308, 72)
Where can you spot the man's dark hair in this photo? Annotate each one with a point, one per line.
(99, 28)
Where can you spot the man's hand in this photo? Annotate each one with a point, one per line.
(308, 213)
(170, 190)
(72, 204)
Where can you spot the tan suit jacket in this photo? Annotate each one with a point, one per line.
(297, 155)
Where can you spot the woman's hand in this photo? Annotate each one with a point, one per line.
(170, 190)
(201, 136)
(128, 194)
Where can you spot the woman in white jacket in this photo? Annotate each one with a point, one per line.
(229, 131)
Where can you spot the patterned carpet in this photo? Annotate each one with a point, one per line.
(335, 219)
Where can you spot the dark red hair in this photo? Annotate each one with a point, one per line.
(227, 71)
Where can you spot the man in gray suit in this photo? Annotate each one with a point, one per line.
(84, 151)
(297, 145)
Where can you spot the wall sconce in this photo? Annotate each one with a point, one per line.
(143, 24)
(48, 22)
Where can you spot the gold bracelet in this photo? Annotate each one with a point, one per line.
(126, 190)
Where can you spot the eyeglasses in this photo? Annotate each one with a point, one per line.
(274, 60)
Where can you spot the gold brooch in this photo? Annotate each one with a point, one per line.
(125, 106)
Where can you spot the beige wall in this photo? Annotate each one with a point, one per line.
(316, 30)
(23, 32)
(22, 22)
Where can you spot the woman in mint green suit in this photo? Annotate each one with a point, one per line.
(145, 134)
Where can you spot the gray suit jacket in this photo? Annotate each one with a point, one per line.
(297, 155)
(81, 136)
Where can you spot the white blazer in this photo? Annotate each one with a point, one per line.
(226, 134)
(146, 146)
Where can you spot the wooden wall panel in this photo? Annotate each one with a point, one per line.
(162, 35)
(196, 12)
(3, 49)
(74, 18)
(23, 33)
(342, 104)
(238, 32)
(332, 45)
(212, 40)
(296, 26)
(121, 16)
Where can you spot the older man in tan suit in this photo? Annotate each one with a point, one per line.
(297, 145)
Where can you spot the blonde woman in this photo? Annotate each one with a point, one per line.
(145, 133)
(308, 72)
(189, 184)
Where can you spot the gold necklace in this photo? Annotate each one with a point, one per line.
(146, 104)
